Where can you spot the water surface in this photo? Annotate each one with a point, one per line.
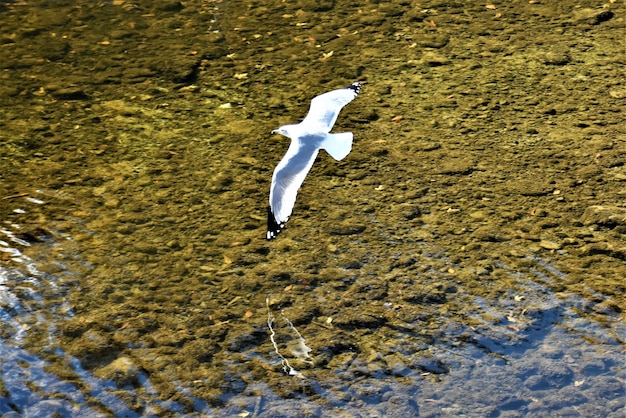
(466, 259)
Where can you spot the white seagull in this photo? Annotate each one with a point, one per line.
(307, 138)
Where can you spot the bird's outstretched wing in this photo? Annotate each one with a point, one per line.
(287, 179)
(326, 107)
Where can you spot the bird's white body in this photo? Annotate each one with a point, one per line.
(307, 138)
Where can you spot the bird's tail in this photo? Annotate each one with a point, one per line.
(338, 145)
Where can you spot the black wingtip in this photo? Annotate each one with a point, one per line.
(273, 227)
(356, 86)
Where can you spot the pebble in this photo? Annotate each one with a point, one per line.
(434, 41)
(433, 59)
(135, 73)
(591, 16)
(457, 166)
(549, 245)
(400, 369)
(432, 365)
(122, 371)
(604, 216)
(556, 57)
(348, 229)
(70, 93)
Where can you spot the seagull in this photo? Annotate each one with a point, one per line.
(307, 138)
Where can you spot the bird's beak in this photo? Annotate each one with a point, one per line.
(274, 131)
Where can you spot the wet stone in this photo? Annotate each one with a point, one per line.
(534, 187)
(604, 248)
(457, 166)
(592, 16)
(432, 365)
(70, 93)
(215, 37)
(426, 145)
(399, 406)
(355, 319)
(138, 73)
(122, 371)
(46, 408)
(433, 59)
(348, 229)
(54, 49)
(178, 68)
(93, 348)
(168, 6)
(535, 381)
(556, 57)
(549, 245)
(608, 388)
(608, 216)
(563, 400)
(416, 14)
(557, 375)
(284, 409)
(133, 218)
(121, 34)
(399, 369)
(434, 41)
(359, 368)
(9, 91)
(409, 212)
(376, 369)
(593, 367)
(146, 248)
(111, 202)
(489, 234)
(316, 5)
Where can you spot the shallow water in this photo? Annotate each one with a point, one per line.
(466, 259)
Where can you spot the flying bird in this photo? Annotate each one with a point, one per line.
(307, 138)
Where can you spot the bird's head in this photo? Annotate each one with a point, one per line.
(285, 130)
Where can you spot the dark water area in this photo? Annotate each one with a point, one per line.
(467, 258)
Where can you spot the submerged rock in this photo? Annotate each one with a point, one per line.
(122, 371)
(606, 216)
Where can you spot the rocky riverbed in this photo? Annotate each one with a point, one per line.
(466, 259)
